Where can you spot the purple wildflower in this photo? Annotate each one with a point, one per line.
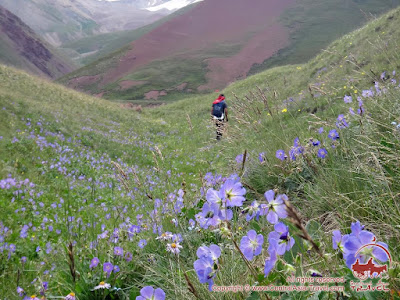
(280, 154)
(251, 244)
(333, 134)
(204, 269)
(280, 239)
(94, 262)
(214, 252)
(351, 244)
(70, 296)
(322, 153)
(275, 208)
(142, 243)
(214, 196)
(348, 99)
(262, 157)
(270, 262)
(354, 243)
(108, 268)
(233, 192)
(148, 293)
(341, 122)
(118, 251)
(239, 159)
(20, 291)
(338, 240)
(367, 93)
(253, 211)
(204, 266)
(315, 143)
(128, 256)
(192, 224)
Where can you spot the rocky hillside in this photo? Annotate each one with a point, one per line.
(22, 48)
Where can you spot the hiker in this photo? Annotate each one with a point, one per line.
(219, 113)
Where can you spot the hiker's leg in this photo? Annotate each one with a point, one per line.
(219, 129)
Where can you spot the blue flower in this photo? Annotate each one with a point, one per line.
(214, 196)
(275, 208)
(348, 99)
(118, 251)
(108, 268)
(333, 134)
(338, 240)
(270, 262)
(341, 122)
(280, 154)
(233, 192)
(251, 245)
(142, 243)
(253, 211)
(205, 266)
(262, 157)
(204, 269)
(367, 93)
(350, 245)
(280, 239)
(239, 159)
(322, 153)
(354, 243)
(94, 262)
(214, 252)
(148, 293)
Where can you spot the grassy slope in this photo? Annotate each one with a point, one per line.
(358, 180)
(314, 25)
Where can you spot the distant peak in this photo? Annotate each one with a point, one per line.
(172, 5)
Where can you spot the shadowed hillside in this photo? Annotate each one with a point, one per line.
(22, 48)
(62, 21)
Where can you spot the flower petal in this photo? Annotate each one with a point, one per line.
(272, 217)
(147, 292)
(159, 294)
(269, 195)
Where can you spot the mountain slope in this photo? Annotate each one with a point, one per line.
(59, 21)
(89, 49)
(218, 42)
(191, 40)
(22, 48)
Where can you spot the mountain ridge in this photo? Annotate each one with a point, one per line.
(59, 21)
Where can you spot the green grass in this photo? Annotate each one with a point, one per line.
(163, 150)
(315, 24)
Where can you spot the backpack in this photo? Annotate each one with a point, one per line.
(218, 110)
